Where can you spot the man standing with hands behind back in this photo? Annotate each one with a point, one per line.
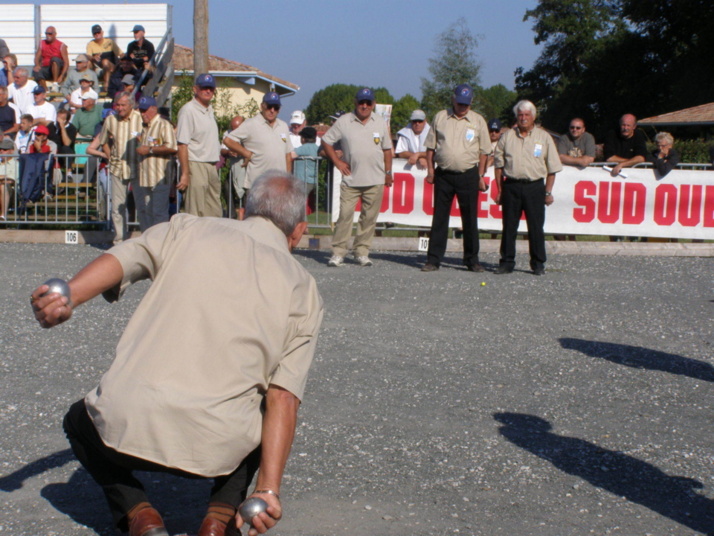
(526, 162)
(366, 170)
(459, 143)
(199, 148)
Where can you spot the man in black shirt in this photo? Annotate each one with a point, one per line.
(140, 50)
(627, 147)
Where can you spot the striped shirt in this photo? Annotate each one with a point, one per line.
(159, 132)
(124, 136)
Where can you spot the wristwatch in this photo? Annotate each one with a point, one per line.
(548, 193)
(151, 151)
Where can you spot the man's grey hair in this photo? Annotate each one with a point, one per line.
(279, 197)
(128, 95)
(527, 106)
(21, 71)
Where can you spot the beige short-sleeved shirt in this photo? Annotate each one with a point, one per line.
(124, 136)
(229, 312)
(458, 143)
(269, 144)
(107, 45)
(198, 129)
(152, 167)
(363, 146)
(533, 156)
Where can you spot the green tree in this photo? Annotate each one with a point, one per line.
(602, 58)
(402, 111)
(454, 63)
(338, 98)
(496, 101)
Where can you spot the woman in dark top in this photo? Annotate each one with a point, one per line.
(665, 158)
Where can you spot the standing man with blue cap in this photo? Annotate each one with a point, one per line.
(157, 146)
(263, 141)
(366, 169)
(459, 143)
(199, 149)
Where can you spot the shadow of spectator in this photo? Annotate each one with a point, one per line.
(14, 481)
(618, 473)
(639, 357)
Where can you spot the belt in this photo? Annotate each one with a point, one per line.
(525, 181)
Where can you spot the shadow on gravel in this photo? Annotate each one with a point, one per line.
(618, 473)
(644, 358)
(15, 480)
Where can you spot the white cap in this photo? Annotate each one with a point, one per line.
(91, 94)
(418, 115)
(298, 118)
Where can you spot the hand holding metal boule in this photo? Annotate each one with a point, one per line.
(251, 507)
(57, 286)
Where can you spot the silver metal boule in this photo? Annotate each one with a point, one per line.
(252, 507)
(58, 286)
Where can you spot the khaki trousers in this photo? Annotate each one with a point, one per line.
(203, 197)
(371, 197)
(120, 191)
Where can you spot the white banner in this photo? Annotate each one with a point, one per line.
(587, 201)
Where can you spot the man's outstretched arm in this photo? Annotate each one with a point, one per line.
(100, 275)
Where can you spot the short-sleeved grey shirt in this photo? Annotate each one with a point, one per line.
(583, 146)
(268, 143)
(198, 129)
(363, 145)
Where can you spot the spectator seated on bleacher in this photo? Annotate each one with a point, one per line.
(41, 142)
(75, 76)
(23, 138)
(88, 116)
(8, 175)
(63, 134)
(21, 89)
(51, 59)
(9, 115)
(126, 66)
(86, 87)
(43, 112)
(103, 53)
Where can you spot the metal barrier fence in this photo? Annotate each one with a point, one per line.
(319, 204)
(62, 190)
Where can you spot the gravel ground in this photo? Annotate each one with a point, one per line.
(575, 403)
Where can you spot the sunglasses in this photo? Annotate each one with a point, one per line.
(576, 128)
(365, 102)
(275, 107)
(417, 120)
(207, 88)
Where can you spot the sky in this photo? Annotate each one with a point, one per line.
(387, 43)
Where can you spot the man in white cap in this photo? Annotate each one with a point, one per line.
(297, 123)
(412, 138)
(88, 116)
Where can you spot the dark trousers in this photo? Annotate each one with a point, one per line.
(464, 186)
(112, 470)
(518, 197)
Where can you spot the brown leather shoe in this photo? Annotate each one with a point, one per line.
(147, 522)
(212, 527)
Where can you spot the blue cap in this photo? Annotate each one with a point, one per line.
(106, 112)
(494, 124)
(272, 98)
(365, 94)
(463, 94)
(205, 80)
(147, 102)
(138, 28)
(39, 89)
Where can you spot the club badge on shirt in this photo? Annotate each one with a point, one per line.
(470, 135)
(377, 138)
(538, 150)
(284, 138)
